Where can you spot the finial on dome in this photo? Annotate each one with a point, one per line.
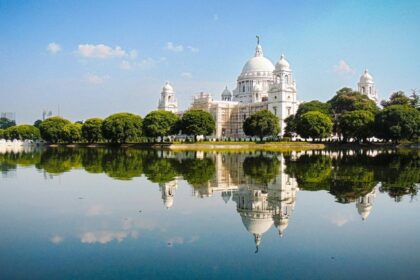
(258, 39)
(366, 70)
(282, 56)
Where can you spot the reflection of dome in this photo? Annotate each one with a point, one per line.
(364, 210)
(257, 225)
(258, 63)
(167, 88)
(226, 196)
(282, 64)
(366, 77)
(281, 224)
(168, 201)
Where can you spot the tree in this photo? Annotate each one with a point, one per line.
(72, 132)
(313, 105)
(315, 125)
(6, 123)
(197, 122)
(348, 100)
(397, 98)
(2, 133)
(37, 123)
(52, 129)
(291, 126)
(92, 130)
(397, 122)
(122, 128)
(357, 124)
(262, 123)
(22, 132)
(160, 123)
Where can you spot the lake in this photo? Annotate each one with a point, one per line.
(102, 213)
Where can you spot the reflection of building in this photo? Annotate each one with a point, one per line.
(364, 204)
(168, 192)
(260, 86)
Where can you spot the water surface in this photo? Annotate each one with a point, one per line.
(142, 214)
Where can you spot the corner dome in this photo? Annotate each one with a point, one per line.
(366, 77)
(282, 64)
(167, 87)
(257, 225)
(226, 92)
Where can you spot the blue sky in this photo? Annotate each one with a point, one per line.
(94, 58)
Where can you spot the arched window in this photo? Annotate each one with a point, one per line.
(286, 78)
(363, 90)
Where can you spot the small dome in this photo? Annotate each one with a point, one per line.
(257, 225)
(282, 64)
(226, 92)
(168, 202)
(366, 77)
(167, 87)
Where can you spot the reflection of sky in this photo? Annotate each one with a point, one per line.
(89, 225)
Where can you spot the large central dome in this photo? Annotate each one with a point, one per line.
(258, 63)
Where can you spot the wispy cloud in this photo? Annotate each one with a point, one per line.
(215, 17)
(53, 48)
(174, 47)
(95, 79)
(103, 237)
(125, 65)
(193, 49)
(150, 62)
(100, 51)
(56, 239)
(343, 68)
(187, 75)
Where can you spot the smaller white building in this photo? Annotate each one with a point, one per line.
(366, 86)
(167, 99)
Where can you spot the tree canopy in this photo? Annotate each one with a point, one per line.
(22, 132)
(197, 122)
(397, 98)
(92, 130)
(52, 129)
(160, 123)
(72, 133)
(357, 124)
(122, 127)
(315, 125)
(348, 100)
(6, 123)
(262, 123)
(398, 122)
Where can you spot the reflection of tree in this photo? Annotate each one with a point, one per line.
(92, 160)
(400, 175)
(159, 170)
(123, 164)
(197, 171)
(59, 160)
(10, 161)
(310, 171)
(262, 169)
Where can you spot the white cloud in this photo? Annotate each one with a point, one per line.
(150, 62)
(193, 49)
(133, 54)
(343, 68)
(215, 17)
(56, 239)
(95, 210)
(102, 237)
(100, 51)
(53, 48)
(95, 79)
(173, 47)
(187, 75)
(125, 65)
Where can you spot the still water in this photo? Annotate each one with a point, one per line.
(91, 213)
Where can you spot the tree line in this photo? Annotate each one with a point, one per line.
(349, 115)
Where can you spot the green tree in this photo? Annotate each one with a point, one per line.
(397, 98)
(291, 126)
(262, 123)
(37, 123)
(92, 130)
(197, 171)
(23, 132)
(6, 123)
(348, 100)
(160, 123)
(2, 135)
(263, 169)
(397, 122)
(315, 125)
(122, 128)
(52, 129)
(72, 132)
(357, 124)
(313, 105)
(197, 122)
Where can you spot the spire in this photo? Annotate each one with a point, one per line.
(257, 241)
(258, 49)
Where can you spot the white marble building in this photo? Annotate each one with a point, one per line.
(366, 86)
